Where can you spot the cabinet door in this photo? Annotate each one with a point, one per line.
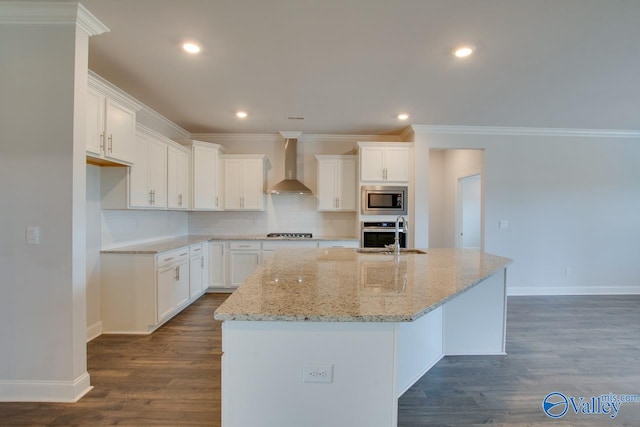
(372, 164)
(242, 265)
(252, 185)
(327, 185)
(140, 195)
(177, 179)
(95, 122)
(195, 276)
(397, 164)
(233, 171)
(120, 132)
(205, 178)
(216, 264)
(181, 287)
(157, 167)
(166, 278)
(346, 185)
(204, 267)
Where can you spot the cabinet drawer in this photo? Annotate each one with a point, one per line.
(171, 257)
(195, 249)
(244, 245)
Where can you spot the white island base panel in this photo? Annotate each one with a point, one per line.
(372, 363)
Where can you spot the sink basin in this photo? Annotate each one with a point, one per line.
(385, 251)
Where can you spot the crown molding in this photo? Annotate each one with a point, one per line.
(522, 131)
(274, 137)
(47, 13)
(152, 118)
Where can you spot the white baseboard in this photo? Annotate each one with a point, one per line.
(44, 391)
(94, 331)
(572, 290)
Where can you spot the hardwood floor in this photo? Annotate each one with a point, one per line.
(168, 378)
(577, 345)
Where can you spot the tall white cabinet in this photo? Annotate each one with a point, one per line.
(148, 177)
(244, 181)
(337, 183)
(205, 175)
(178, 188)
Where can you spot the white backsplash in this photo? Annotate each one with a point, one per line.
(121, 228)
(284, 213)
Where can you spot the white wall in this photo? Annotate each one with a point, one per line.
(572, 200)
(42, 182)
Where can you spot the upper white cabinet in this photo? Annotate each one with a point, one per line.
(384, 162)
(336, 183)
(178, 194)
(244, 181)
(148, 177)
(205, 176)
(111, 124)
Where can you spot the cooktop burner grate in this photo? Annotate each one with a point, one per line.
(291, 235)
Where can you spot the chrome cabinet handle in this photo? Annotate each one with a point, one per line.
(110, 143)
(175, 273)
(179, 199)
(216, 201)
(102, 141)
(150, 197)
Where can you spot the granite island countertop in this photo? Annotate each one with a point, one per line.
(165, 245)
(344, 285)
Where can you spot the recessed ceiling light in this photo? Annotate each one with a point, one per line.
(241, 115)
(403, 116)
(463, 51)
(191, 47)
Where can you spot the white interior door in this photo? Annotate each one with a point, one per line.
(469, 211)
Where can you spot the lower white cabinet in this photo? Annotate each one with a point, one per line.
(217, 264)
(198, 269)
(139, 292)
(244, 258)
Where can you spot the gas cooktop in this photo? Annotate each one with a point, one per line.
(291, 235)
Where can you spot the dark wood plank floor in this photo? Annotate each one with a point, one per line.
(581, 346)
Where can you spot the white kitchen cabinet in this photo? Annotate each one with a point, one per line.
(336, 183)
(178, 194)
(205, 175)
(139, 292)
(244, 182)
(198, 270)
(244, 258)
(384, 162)
(111, 124)
(217, 264)
(148, 177)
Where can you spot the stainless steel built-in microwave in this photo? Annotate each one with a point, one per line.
(383, 200)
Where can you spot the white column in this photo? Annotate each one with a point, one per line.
(43, 76)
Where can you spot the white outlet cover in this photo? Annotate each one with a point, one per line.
(317, 373)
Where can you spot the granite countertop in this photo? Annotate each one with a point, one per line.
(166, 245)
(344, 285)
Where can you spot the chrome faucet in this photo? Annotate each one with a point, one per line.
(396, 241)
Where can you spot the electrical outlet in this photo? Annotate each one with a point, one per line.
(317, 373)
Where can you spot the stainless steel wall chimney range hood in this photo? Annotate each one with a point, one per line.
(290, 183)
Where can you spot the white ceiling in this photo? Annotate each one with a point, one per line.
(350, 66)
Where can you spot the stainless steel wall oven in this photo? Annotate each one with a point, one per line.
(380, 234)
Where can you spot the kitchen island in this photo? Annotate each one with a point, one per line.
(320, 337)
